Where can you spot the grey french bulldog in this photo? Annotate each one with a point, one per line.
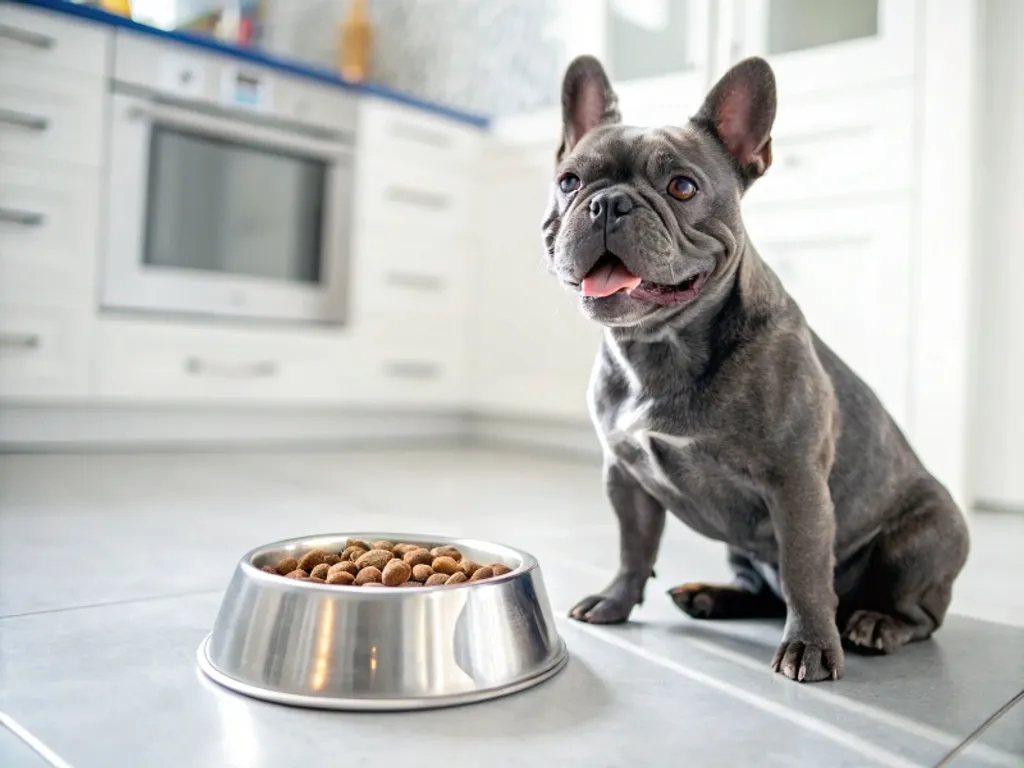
(715, 401)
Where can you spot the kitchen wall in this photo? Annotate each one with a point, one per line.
(496, 57)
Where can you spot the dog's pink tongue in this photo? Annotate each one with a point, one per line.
(606, 279)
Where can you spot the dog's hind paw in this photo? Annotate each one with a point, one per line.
(876, 632)
(721, 601)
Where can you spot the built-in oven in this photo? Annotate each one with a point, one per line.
(230, 197)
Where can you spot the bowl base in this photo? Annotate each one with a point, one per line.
(377, 704)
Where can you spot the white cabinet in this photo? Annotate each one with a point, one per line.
(828, 45)
(531, 348)
(44, 351)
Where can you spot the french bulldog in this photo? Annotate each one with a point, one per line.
(715, 401)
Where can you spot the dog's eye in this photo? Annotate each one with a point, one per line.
(682, 188)
(569, 183)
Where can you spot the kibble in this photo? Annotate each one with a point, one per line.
(396, 572)
(445, 564)
(422, 572)
(418, 556)
(377, 558)
(479, 574)
(353, 553)
(312, 559)
(345, 566)
(287, 565)
(386, 564)
(447, 551)
(366, 575)
(320, 571)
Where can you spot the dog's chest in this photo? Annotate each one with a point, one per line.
(657, 454)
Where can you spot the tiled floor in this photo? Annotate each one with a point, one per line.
(112, 569)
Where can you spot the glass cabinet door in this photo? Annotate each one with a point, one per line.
(797, 25)
(653, 38)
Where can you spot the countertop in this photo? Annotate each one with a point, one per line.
(114, 566)
(257, 56)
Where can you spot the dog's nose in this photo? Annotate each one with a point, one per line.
(610, 207)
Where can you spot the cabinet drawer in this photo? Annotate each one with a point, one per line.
(848, 267)
(52, 115)
(415, 360)
(409, 135)
(171, 363)
(841, 147)
(31, 40)
(412, 200)
(428, 277)
(48, 233)
(43, 351)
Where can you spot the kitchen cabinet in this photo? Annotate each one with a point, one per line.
(828, 45)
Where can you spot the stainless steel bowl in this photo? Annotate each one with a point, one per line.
(333, 647)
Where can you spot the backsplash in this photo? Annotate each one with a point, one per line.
(489, 56)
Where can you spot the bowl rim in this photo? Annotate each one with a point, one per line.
(527, 562)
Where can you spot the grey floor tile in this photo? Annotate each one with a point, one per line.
(15, 753)
(103, 683)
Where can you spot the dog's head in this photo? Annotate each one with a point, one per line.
(644, 223)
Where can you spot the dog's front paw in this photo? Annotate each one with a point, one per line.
(602, 609)
(810, 661)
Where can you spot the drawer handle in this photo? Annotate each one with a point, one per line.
(409, 369)
(421, 135)
(24, 120)
(259, 370)
(20, 341)
(419, 281)
(24, 218)
(33, 39)
(416, 197)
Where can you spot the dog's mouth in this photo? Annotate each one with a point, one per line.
(610, 276)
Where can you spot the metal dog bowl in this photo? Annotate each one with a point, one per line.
(333, 647)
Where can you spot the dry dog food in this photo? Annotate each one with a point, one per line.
(385, 564)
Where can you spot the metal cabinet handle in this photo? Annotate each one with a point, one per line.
(420, 135)
(409, 369)
(417, 197)
(24, 120)
(20, 341)
(416, 280)
(259, 370)
(24, 218)
(33, 39)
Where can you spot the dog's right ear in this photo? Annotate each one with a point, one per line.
(587, 101)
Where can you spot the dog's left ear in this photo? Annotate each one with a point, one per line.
(587, 101)
(740, 111)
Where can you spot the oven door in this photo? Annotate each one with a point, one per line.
(209, 213)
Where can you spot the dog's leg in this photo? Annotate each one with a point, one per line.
(747, 597)
(909, 583)
(804, 521)
(641, 522)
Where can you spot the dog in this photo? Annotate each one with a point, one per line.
(715, 401)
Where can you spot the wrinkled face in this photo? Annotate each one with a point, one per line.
(644, 223)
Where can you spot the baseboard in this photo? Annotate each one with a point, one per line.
(112, 427)
(87, 427)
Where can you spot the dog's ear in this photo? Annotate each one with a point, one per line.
(740, 111)
(587, 101)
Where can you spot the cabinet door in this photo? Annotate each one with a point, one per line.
(848, 267)
(532, 349)
(817, 45)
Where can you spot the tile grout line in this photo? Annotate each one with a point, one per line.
(912, 727)
(125, 601)
(32, 742)
(973, 736)
(813, 724)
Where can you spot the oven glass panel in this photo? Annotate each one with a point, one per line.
(226, 207)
